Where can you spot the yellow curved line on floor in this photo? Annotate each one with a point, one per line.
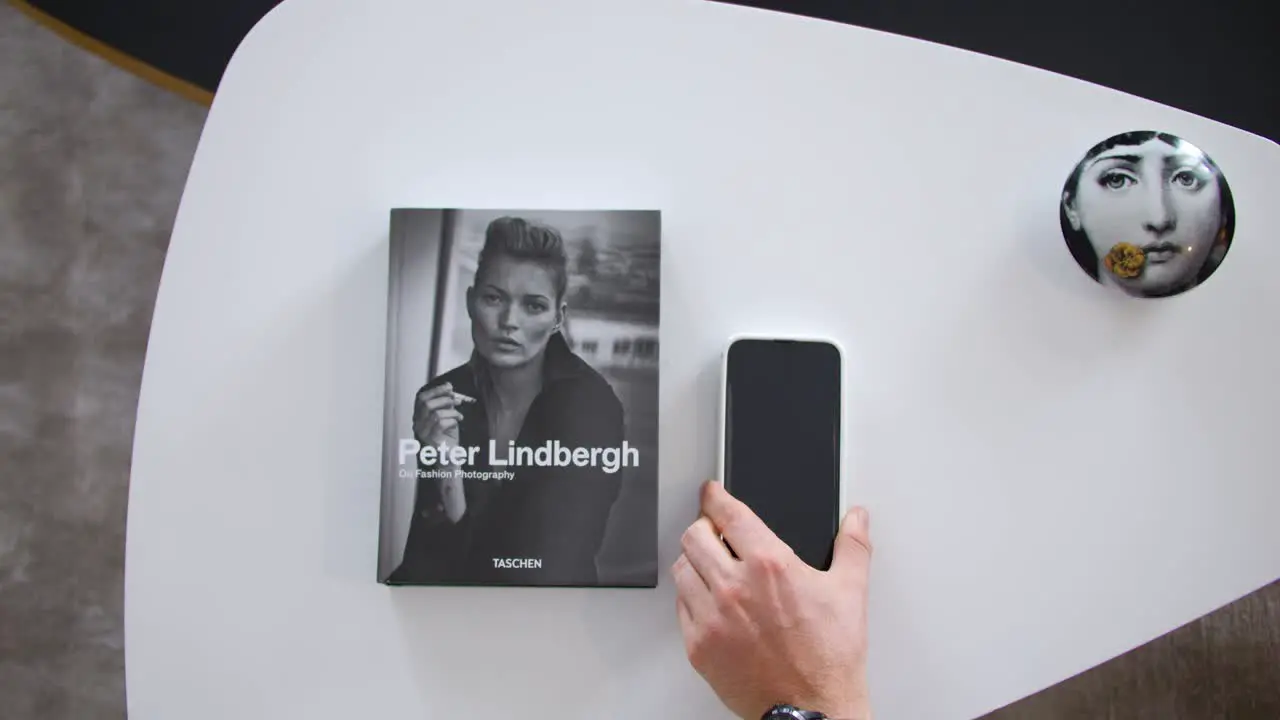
(115, 57)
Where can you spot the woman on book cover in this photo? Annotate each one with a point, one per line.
(522, 385)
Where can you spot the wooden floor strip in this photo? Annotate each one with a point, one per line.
(115, 57)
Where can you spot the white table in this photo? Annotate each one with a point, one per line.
(798, 165)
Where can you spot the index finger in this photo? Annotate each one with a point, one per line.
(745, 532)
(434, 391)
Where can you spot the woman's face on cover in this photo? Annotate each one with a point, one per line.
(513, 311)
(1157, 197)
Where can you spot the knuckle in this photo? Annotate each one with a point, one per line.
(770, 564)
(704, 639)
(686, 538)
(861, 542)
(728, 594)
(732, 516)
(729, 527)
(713, 633)
(680, 570)
(697, 650)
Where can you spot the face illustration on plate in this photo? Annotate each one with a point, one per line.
(1149, 213)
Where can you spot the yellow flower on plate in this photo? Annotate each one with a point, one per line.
(1125, 260)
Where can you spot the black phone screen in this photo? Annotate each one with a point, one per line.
(782, 439)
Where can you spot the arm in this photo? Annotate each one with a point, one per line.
(576, 501)
(765, 627)
(436, 420)
(435, 531)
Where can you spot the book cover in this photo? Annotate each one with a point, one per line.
(520, 440)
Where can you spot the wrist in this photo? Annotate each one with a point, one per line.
(854, 712)
(857, 707)
(791, 711)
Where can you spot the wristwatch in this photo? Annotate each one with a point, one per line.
(790, 712)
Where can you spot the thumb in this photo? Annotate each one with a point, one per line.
(852, 553)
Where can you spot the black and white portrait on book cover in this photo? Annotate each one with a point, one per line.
(520, 442)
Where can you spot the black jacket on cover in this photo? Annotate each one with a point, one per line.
(556, 515)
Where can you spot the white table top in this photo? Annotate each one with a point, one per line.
(1056, 473)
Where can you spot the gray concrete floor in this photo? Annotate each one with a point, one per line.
(92, 165)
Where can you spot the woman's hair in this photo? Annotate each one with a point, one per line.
(520, 239)
(1078, 241)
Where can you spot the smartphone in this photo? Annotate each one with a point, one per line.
(781, 435)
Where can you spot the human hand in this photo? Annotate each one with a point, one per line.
(435, 423)
(766, 627)
(436, 417)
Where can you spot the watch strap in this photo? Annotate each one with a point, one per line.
(783, 711)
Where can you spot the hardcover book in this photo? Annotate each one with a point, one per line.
(520, 439)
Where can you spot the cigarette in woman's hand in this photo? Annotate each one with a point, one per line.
(461, 399)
